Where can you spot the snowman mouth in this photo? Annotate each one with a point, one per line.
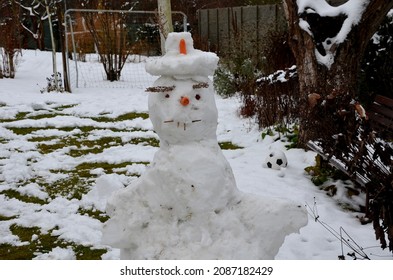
(182, 124)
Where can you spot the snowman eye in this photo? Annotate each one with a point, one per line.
(197, 97)
(167, 95)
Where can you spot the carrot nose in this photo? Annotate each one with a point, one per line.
(184, 100)
(182, 47)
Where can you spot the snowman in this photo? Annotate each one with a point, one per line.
(186, 205)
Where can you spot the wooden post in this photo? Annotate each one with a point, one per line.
(165, 21)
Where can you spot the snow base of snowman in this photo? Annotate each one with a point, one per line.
(186, 205)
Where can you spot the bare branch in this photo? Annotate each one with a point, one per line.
(160, 89)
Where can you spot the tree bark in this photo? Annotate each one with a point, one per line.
(340, 81)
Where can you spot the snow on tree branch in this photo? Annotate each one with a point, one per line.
(344, 17)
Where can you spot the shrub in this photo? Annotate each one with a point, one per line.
(273, 99)
(377, 64)
(51, 83)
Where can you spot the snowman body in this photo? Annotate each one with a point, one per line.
(186, 205)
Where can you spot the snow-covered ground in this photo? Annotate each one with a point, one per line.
(24, 166)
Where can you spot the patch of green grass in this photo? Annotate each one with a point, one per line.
(229, 146)
(74, 183)
(95, 146)
(79, 180)
(25, 198)
(86, 167)
(87, 252)
(80, 146)
(49, 148)
(5, 218)
(267, 132)
(73, 186)
(21, 115)
(63, 107)
(24, 252)
(94, 213)
(7, 120)
(42, 138)
(321, 172)
(283, 132)
(29, 130)
(43, 116)
(24, 130)
(124, 117)
(43, 243)
(71, 128)
(150, 141)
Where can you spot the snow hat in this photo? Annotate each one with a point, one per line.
(181, 59)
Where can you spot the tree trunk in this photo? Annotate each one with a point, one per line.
(53, 44)
(60, 18)
(11, 62)
(41, 36)
(336, 83)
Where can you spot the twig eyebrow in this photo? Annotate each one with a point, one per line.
(200, 85)
(160, 89)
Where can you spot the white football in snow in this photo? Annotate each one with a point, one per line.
(276, 159)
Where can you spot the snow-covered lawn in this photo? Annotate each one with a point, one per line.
(56, 148)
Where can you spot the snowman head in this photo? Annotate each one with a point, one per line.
(183, 110)
(181, 102)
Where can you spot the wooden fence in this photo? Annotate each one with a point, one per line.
(221, 28)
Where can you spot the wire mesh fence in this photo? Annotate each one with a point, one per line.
(109, 48)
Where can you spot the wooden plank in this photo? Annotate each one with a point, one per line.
(382, 110)
(384, 100)
(380, 119)
(381, 116)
